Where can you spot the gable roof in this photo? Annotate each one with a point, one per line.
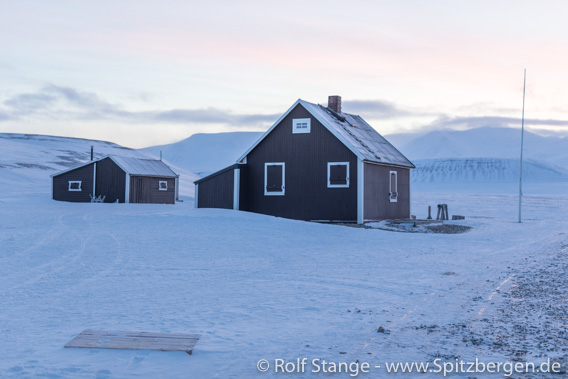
(133, 166)
(358, 136)
(143, 167)
(221, 171)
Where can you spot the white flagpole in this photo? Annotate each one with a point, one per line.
(522, 141)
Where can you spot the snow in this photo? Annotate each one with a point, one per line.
(31, 159)
(260, 287)
(484, 170)
(204, 154)
(484, 142)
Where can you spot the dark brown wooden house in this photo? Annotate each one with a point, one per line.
(117, 179)
(315, 163)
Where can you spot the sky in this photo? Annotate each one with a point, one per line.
(144, 73)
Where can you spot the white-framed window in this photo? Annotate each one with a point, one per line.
(393, 186)
(274, 179)
(301, 125)
(337, 174)
(163, 185)
(75, 185)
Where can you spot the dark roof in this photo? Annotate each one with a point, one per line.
(134, 166)
(231, 167)
(354, 132)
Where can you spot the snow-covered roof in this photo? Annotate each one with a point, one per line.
(354, 132)
(134, 166)
(144, 167)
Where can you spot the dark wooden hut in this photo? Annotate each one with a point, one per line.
(118, 179)
(315, 163)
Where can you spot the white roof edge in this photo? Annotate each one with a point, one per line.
(258, 141)
(129, 173)
(337, 135)
(389, 164)
(73, 168)
(321, 121)
(110, 156)
(118, 164)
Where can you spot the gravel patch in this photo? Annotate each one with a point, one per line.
(532, 323)
(525, 322)
(409, 228)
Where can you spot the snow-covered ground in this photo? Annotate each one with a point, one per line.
(30, 159)
(259, 287)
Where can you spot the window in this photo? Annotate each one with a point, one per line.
(75, 185)
(393, 189)
(337, 174)
(274, 179)
(163, 185)
(301, 125)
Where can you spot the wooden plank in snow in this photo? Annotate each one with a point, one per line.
(108, 339)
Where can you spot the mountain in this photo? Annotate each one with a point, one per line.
(483, 155)
(485, 142)
(483, 170)
(29, 159)
(203, 154)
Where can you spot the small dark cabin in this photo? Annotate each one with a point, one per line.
(315, 163)
(118, 179)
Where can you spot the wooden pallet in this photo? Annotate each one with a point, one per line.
(105, 339)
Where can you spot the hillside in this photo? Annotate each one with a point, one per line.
(483, 170)
(486, 142)
(29, 160)
(203, 154)
(463, 156)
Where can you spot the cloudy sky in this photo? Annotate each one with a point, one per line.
(143, 72)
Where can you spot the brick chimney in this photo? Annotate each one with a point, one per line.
(334, 103)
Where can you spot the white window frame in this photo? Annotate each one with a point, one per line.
(271, 193)
(75, 182)
(160, 185)
(329, 185)
(300, 121)
(395, 186)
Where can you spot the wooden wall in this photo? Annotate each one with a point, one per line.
(61, 185)
(306, 156)
(377, 203)
(217, 191)
(111, 181)
(145, 189)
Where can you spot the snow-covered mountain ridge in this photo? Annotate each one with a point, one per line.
(485, 142)
(483, 170)
(30, 159)
(206, 153)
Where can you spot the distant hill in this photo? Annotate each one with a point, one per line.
(486, 142)
(29, 159)
(483, 170)
(476, 156)
(483, 155)
(203, 154)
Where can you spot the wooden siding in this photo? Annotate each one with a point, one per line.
(145, 189)
(377, 187)
(306, 156)
(217, 191)
(111, 181)
(61, 185)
